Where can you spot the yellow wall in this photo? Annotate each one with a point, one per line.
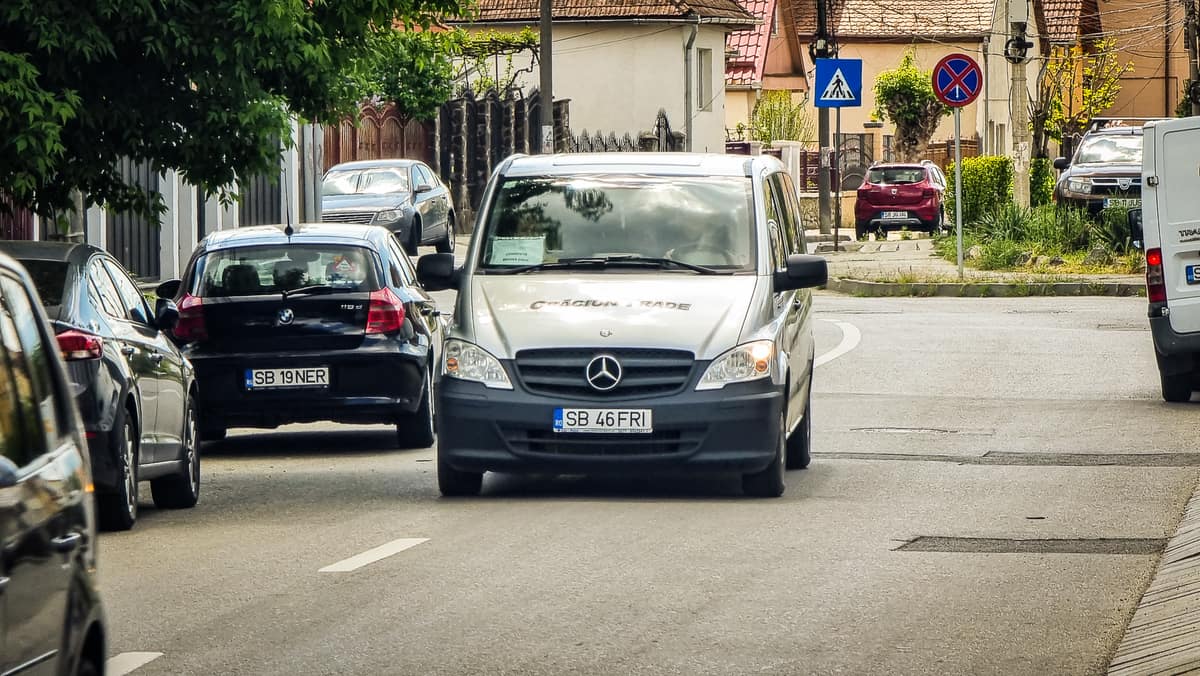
(1142, 27)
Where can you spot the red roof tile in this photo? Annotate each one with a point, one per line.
(746, 66)
(903, 19)
(721, 11)
(1068, 22)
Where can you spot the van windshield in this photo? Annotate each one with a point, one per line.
(701, 221)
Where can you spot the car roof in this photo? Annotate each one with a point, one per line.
(902, 165)
(674, 164)
(373, 164)
(64, 252)
(1115, 131)
(302, 233)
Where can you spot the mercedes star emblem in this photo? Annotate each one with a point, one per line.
(286, 316)
(603, 373)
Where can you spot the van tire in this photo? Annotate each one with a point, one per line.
(799, 444)
(454, 483)
(1176, 387)
(768, 483)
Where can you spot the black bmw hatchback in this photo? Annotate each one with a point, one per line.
(134, 389)
(319, 323)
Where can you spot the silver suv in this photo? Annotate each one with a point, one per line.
(628, 313)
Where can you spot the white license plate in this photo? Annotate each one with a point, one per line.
(894, 214)
(603, 420)
(278, 379)
(1122, 202)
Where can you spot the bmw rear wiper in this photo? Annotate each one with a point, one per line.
(312, 290)
(603, 261)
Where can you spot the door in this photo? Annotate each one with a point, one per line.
(39, 531)
(403, 280)
(801, 308)
(136, 341)
(440, 198)
(426, 204)
(782, 224)
(165, 360)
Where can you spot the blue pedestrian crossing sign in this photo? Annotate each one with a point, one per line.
(838, 83)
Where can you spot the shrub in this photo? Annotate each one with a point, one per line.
(1008, 222)
(1041, 181)
(999, 254)
(987, 184)
(1112, 231)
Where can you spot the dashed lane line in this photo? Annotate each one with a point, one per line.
(125, 663)
(372, 555)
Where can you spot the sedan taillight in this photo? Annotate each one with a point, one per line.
(191, 326)
(386, 312)
(80, 346)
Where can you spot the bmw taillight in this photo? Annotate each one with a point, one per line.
(191, 327)
(1156, 283)
(80, 346)
(385, 313)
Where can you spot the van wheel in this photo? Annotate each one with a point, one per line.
(769, 482)
(454, 483)
(415, 430)
(1176, 387)
(118, 509)
(799, 444)
(182, 491)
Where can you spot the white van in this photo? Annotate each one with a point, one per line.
(626, 313)
(1169, 224)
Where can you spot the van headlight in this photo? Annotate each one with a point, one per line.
(465, 361)
(744, 363)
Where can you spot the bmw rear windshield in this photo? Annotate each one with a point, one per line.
(699, 220)
(264, 270)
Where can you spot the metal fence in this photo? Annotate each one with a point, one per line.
(133, 238)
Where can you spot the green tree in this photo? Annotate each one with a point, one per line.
(777, 118)
(206, 88)
(904, 96)
(412, 69)
(1074, 86)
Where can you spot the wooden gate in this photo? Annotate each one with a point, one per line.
(15, 223)
(376, 135)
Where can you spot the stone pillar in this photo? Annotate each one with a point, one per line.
(168, 226)
(97, 227)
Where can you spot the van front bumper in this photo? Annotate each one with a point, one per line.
(730, 430)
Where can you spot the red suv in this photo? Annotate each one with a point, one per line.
(900, 195)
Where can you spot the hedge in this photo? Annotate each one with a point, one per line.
(987, 184)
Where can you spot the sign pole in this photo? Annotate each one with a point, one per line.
(837, 177)
(958, 186)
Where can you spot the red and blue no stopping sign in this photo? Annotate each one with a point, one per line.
(957, 80)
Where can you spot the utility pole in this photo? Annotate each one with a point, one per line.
(824, 48)
(1016, 50)
(546, 54)
(1191, 32)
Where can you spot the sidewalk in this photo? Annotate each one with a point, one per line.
(912, 268)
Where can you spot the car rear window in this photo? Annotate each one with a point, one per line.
(261, 270)
(49, 278)
(896, 176)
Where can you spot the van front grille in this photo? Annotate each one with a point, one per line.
(644, 372)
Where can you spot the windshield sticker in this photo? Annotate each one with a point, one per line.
(518, 250)
(648, 304)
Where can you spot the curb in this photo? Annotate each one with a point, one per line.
(858, 287)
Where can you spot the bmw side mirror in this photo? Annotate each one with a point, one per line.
(168, 289)
(8, 473)
(1061, 163)
(803, 272)
(1135, 227)
(436, 272)
(166, 314)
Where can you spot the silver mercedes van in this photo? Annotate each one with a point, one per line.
(629, 313)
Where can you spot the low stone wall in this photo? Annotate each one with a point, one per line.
(809, 202)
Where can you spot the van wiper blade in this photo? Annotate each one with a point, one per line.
(604, 261)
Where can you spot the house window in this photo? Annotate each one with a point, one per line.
(704, 79)
(775, 23)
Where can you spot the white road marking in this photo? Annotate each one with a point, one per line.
(851, 337)
(372, 555)
(126, 662)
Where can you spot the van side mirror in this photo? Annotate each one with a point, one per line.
(1135, 227)
(803, 271)
(168, 289)
(436, 272)
(1061, 163)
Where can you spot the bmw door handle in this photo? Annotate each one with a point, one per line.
(127, 350)
(65, 544)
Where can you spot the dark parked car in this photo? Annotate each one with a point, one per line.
(326, 322)
(900, 196)
(51, 617)
(404, 196)
(135, 391)
(1105, 171)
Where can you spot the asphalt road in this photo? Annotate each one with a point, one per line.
(991, 485)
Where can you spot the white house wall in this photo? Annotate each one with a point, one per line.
(619, 76)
